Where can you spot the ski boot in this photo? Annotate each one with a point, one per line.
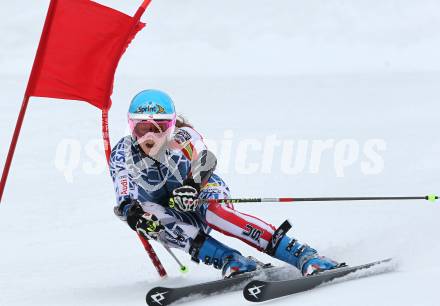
(212, 252)
(305, 258)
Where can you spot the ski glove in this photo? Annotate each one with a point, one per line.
(127, 207)
(184, 198)
(149, 226)
(130, 211)
(144, 223)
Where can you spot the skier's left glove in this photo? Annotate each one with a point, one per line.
(184, 198)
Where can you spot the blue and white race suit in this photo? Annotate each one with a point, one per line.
(152, 180)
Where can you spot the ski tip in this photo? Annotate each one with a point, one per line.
(157, 296)
(252, 292)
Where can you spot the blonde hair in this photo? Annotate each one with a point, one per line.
(181, 122)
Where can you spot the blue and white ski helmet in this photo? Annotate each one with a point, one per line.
(152, 104)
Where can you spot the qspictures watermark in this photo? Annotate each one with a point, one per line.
(249, 156)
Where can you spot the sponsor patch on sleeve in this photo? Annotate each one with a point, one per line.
(182, 136)
(123, 185)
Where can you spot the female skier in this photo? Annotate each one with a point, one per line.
(161, 173)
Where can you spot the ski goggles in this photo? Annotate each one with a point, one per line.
(140, 127)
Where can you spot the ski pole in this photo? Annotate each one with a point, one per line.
(183, 268)
(153, 256)
(431, 198)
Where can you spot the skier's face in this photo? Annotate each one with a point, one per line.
(151, 135)
(152, 144)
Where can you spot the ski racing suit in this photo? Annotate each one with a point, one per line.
(151, 181)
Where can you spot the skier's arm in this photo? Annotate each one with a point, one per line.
(121, 181)
(203, 163)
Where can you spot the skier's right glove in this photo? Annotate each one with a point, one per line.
(144, 223)
(149, 226)
(128, 207)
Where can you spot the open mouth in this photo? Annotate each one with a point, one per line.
(149, 144)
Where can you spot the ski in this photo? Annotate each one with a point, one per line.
(162, 296)
(259, 291)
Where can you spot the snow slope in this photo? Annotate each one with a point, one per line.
(315, 70)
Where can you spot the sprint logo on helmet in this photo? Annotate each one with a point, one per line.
(152, 104)
(150, 109)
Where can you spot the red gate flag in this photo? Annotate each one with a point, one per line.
(80, 48)
(81, 45)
